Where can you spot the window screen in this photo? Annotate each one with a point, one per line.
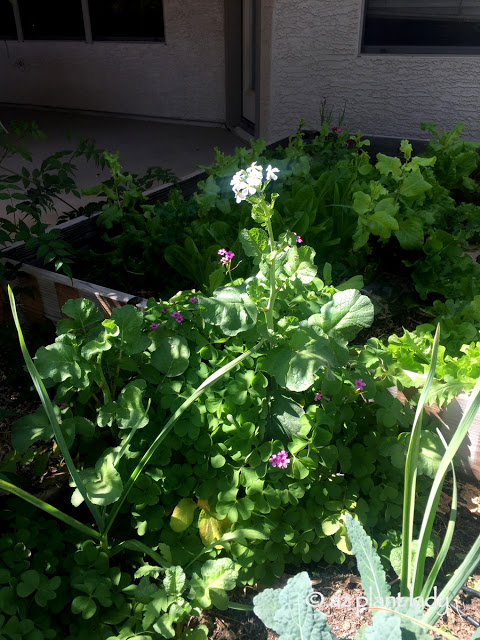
(8, 29)
(393, 26)
(126, 19)
(52, 19)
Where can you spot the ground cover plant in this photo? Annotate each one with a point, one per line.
(220, 435)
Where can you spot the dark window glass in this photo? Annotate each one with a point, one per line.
(126, 19)
(52, 19)
(402, 25)
(7, 21)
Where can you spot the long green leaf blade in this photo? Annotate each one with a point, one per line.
(411, 466)
(460, 433)
(48, 508)
(47, 405)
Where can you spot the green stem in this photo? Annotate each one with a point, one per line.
(166, 429)
(273, 291)
(48, 508)
(104, 387)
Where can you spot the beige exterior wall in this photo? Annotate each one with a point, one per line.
(315, 55)
(182, 78)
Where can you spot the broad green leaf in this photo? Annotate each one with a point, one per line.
(347, 313)
(414, 185)
(103, 484)
(58, 361)
(300, 264)
(294, 368)
(410, 233)
(81, 313)
(387, 165)
(129, 321)
(230, 308)
(171, 355)
(219, 573)
(129, 407)
(174, 582)
(283, 420)
(287, 611)
(182, 516)
(102, 341)
(383, 221)
(361, 202)
(369, 565)
(254, 242)
(29, 429)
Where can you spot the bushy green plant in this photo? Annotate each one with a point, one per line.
(289, 611)
(29, 194)
(234, 422)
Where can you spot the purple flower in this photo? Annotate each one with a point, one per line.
(359, 384)
(192, 299)
(154, 325)
(177, 315)
(280, 459)
(320, 396)
(336, 130)
(164, 310)
(226, 255)
(299, 240)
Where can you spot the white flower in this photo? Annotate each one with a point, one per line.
(271, 173)
(255, 169)
(241, 194)
(238, 179)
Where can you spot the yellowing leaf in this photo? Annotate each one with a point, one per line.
(182, 516)
(210, 528)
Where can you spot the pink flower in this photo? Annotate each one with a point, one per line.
(336, 130)
(320, 396)
(359, 384)
(192, 299)
(299, 240)
(226, 255)
(164, 310)
(154, 325)
(280, 459)
(178, 316)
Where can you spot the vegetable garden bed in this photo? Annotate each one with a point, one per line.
(245, 424)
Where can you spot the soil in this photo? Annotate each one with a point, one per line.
(340, 582)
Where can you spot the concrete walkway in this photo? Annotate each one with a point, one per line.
(141, 143)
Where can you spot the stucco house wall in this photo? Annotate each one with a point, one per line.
(315, 55)
(182, 79)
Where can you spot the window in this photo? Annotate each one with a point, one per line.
(52, 19)
(425, 26)
(126, 19)
(136, 20)
(8, 30)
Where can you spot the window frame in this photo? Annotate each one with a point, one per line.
(87, 30)
(409, 50)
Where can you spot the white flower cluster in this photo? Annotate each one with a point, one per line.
(245, 182)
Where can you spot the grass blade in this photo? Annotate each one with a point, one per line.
(48, 508)
(47, 405)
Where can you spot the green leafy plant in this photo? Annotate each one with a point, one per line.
(289, 611)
